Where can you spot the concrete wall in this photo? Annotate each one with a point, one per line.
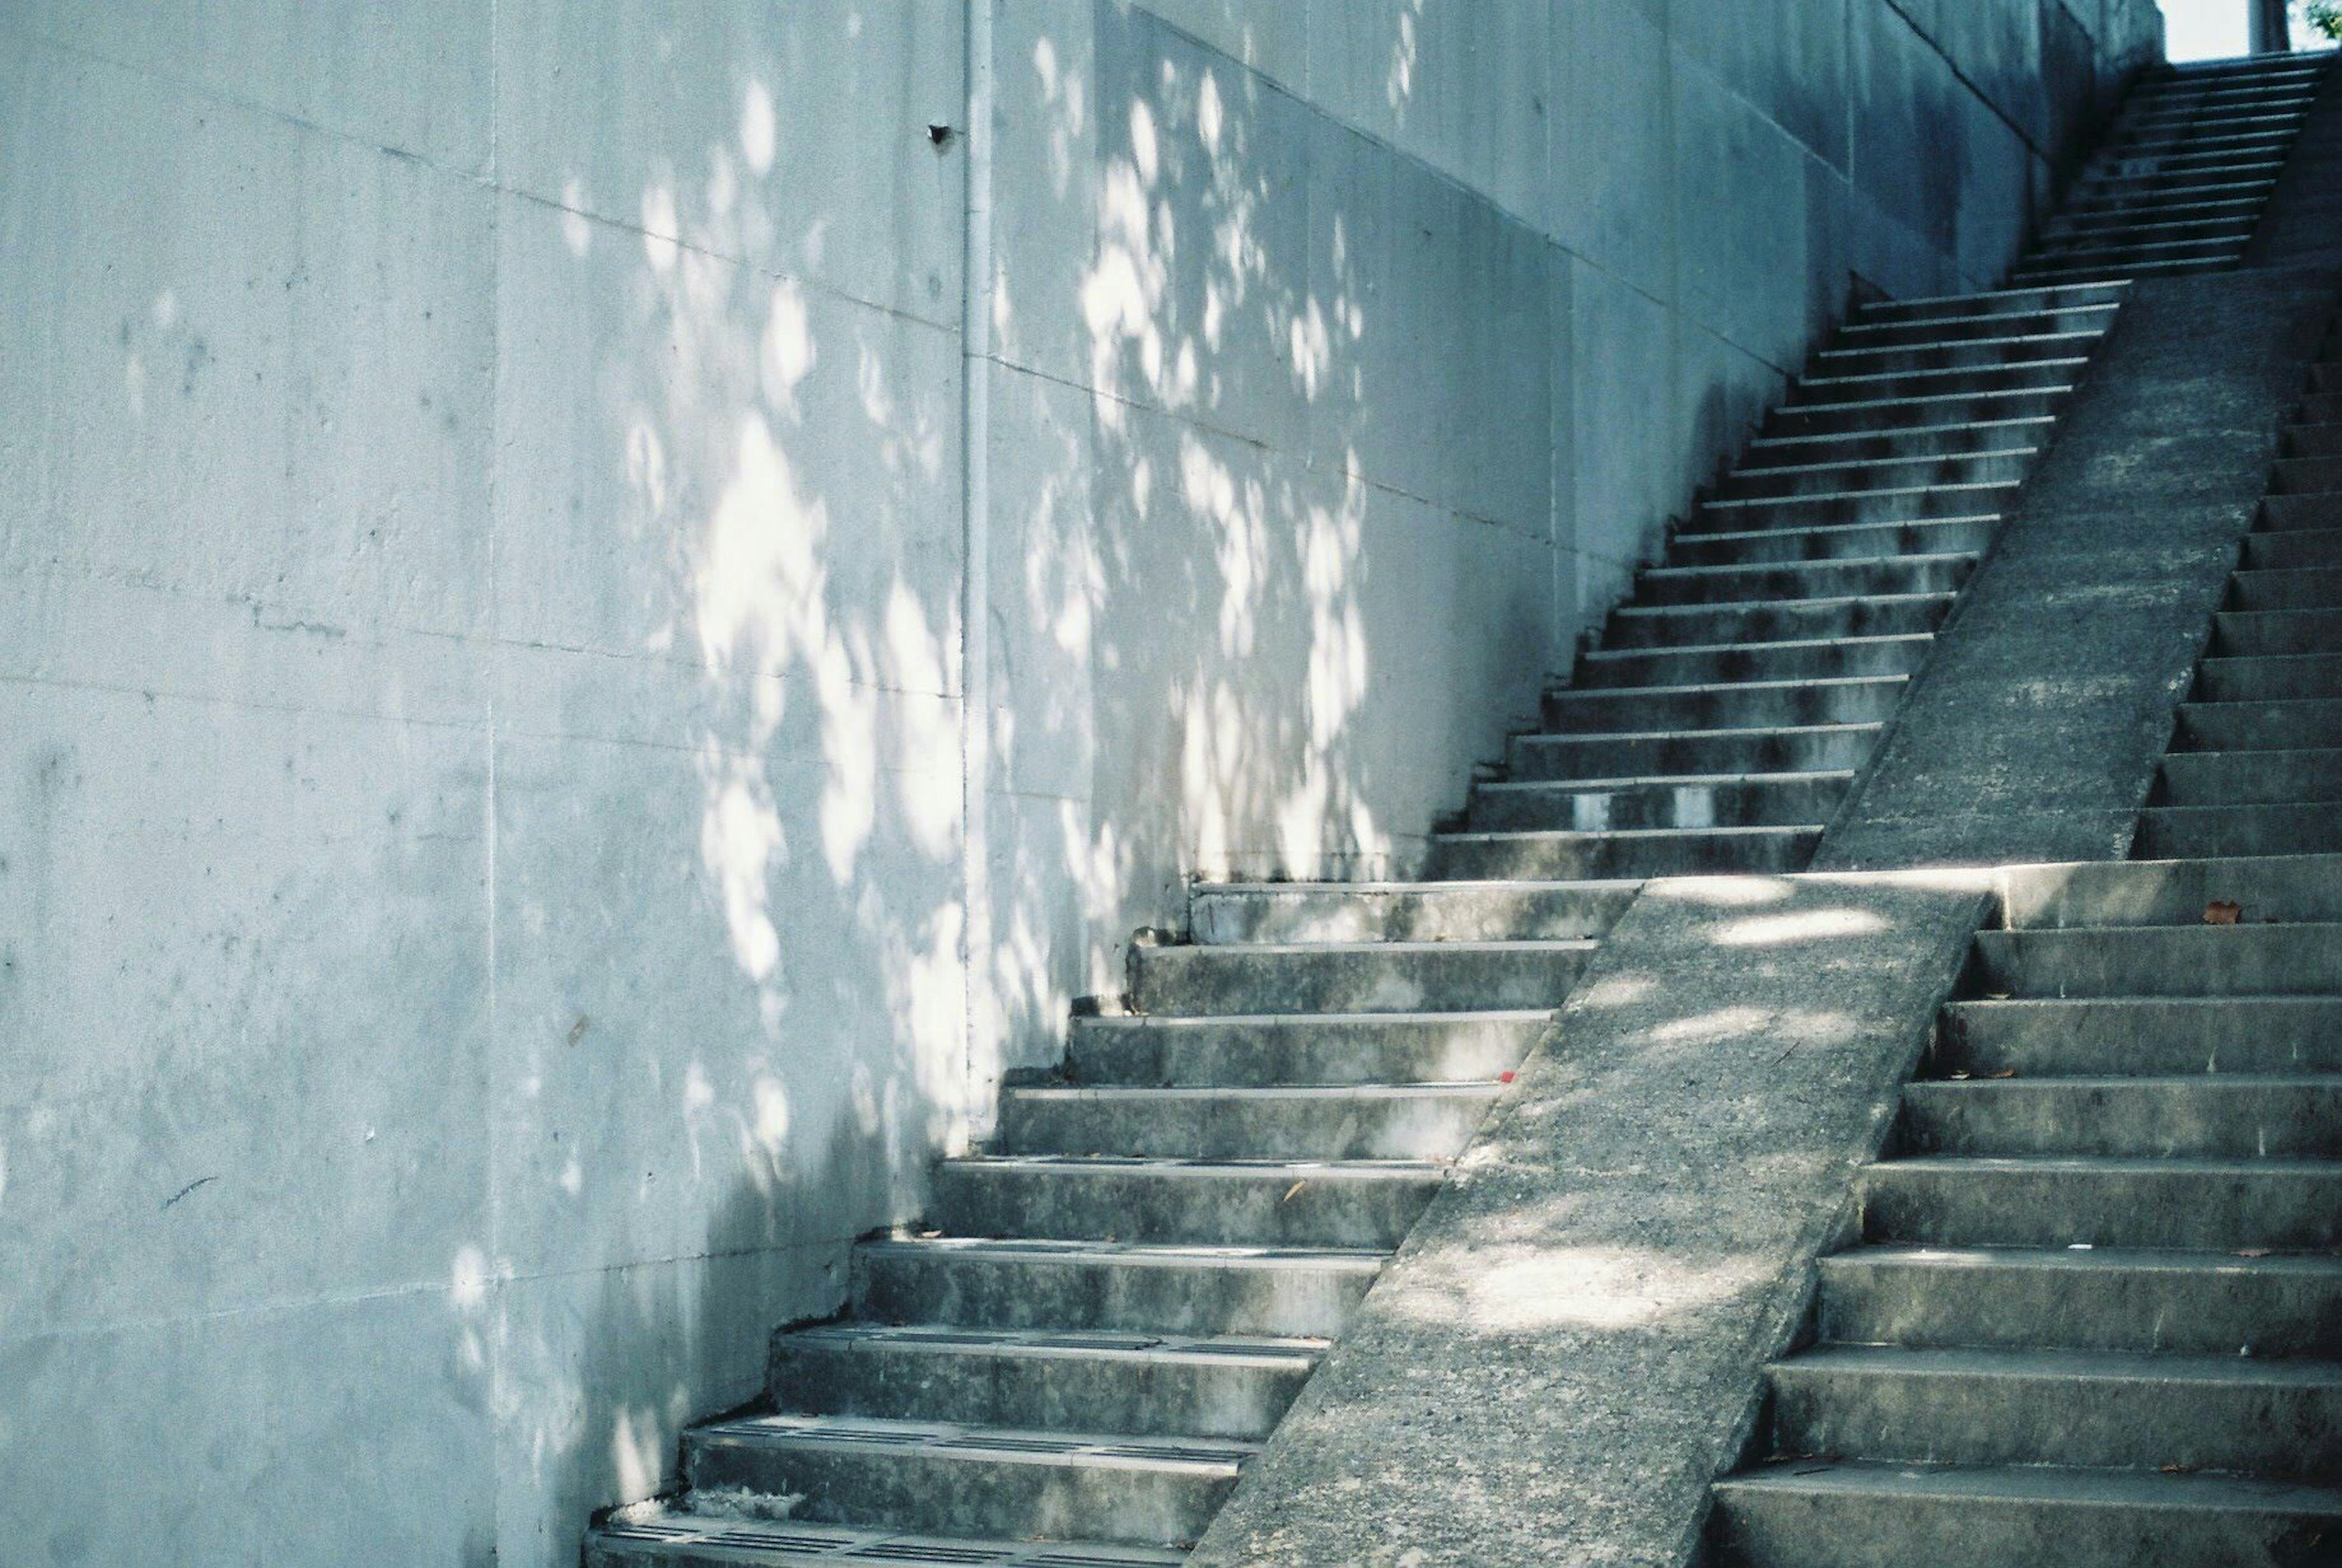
(485, 855)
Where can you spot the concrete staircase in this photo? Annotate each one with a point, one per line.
(1110, 1309)
(2096, 1318)
(2181, 181)
(2256, 763)
(1730, 701)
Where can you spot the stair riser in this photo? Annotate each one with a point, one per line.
(1707, 626)
(2284, 1210)
(1215, 981)
(1817, 580)
(1846, 508)
(1810, 661)
(2204, 1117)
(1836, 542)
(2314, 441)
(2212, 225)
(2309, 725)
(1725, 707)
(1367, 1128)
(1945, 1418)
(2247, 778)
(1257, 1053)
(2310, 512)
(2307, 476)
(1560, 856)
(2294, 1034)
(1408, 914)
(1149, 1298)
(1204, 1209)
(2041, 375)
(1987, 307)
(1854, 414)
(1139, 1396)
(2244, 831)
(2143, 269)
(2293, 549)
(2286, 888)
(1841, 1530)
(2204, 1311)
(2020, 325)
(968, 1494)
(2122, 249)
(1949, 353)
(2320, 408)
(1552, 757)
(1553, 809)
(2230, 680)
(1816, 478)
(1919, 443)
(2246, 960)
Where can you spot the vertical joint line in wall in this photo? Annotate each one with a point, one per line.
(975, 609)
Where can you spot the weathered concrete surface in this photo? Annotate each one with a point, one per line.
(2033, 732)
(484, 730)
(2303, 226)
(1565, 1351)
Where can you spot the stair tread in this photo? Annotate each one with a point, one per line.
(1049, 1343)
(1014, 1445)
(1169, 1255)
(1357, 1170)
(1457, 1089)
(2094, 1260)
(2112, 1164)
(1525, 944)
(2066, 1366)
(788, 1540)
(1663, 780)
(1992, 1484)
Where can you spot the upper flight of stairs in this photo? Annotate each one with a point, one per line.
(2256, 764)
(2096, 1318)
(1729, 702)
(2180, 181)
(1109, 1309)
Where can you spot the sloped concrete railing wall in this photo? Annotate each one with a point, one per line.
(482, 909)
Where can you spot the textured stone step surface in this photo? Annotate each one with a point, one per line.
(2105, 1298)
(1223, 914)
(1263, 1049)
(2149, 1037)
(2232, 1115)
(1351, 1122)
(662, 1538)
(1363, 976)
(1241, 1202)
(2240, 960)
(2208, 1206)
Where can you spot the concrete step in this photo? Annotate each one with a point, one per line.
(1990, 303)
(1832, 1513)
(1818, 657)
(1059, 1286)
(1776, 544)
(2194, 1205)
(1966, 351)
(2251, 778)
(2240, 830)
(1879, 576)
(2151, 198)
(2307, 476)
(2292, 888)
(2296, 588)
(2276, 633)
(1821, 476)
(1759, 800)
(946, 1478)
(2263, 148)
(663, 1537)
(2033, 376)
(2101, 1300)
(1088, 1380)
(2092, 317)
(2121, 247)
(1855, 414)
(2246, 210)
(1812, 748)
(2146, 1035)
(2227, 1115)
(1304, 911)
(2092, 1409)
(1920, 441)
(2127, 270)
(1261, 1050)
(2292, 549)
(2307, 510)
(2270, 678)
(1734, 705)
(2320, 408)
(2214, 221)
(2313, 723)
(1230, 1202)
(2324, 378)
(1645, 626)
(1358, 976)
(1908, 504)
(1655, 852)
(2313, 441)
(2241, 960)
(1286, 1122)
(2126, 181)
